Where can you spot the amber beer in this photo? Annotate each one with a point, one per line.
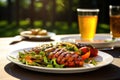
(87, 26)
(115, 21)
(115, 25)
(87, 21)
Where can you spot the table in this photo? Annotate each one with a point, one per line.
(10, 71)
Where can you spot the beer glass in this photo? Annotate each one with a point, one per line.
(114, 12)
(87, 21)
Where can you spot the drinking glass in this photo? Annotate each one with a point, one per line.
(87, 21)
(114, 12)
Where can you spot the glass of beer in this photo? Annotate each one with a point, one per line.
(87, 21)
(114, 12)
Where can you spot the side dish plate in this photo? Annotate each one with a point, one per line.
(100, 42)
(27, 34)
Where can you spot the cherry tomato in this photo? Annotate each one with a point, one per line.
(93, 52)
(84, 49)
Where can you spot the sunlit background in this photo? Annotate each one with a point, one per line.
(58, 16)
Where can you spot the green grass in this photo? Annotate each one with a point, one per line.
(8, 30)
(103, 28)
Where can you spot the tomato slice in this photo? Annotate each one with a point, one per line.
(86, 55)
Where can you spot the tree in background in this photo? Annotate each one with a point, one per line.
(59, 16)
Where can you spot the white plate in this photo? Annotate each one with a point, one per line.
(105, 41)
(103, 58)
(27, 34)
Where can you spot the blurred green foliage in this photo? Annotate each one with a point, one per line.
(12, 29)
(61, 28)
(61, 25)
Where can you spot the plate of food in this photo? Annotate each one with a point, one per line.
(100, 42)
(60, 57)
(37, 34)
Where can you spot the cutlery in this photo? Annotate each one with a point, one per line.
(17, 39)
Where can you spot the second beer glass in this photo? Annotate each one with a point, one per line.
(115, 21)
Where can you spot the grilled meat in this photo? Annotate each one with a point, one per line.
(66, 53)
